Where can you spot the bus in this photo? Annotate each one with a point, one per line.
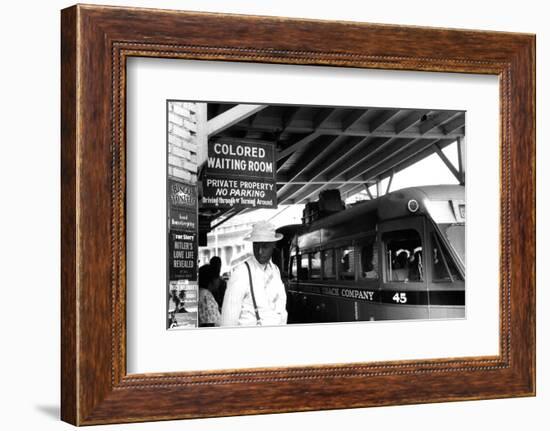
(399, 256)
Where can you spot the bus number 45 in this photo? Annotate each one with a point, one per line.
(400, 298)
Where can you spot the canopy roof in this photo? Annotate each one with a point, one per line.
(320, 148)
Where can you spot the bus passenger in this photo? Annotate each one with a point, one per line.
(416, 268)
(369, 256)
(346, 267)
(400, 271)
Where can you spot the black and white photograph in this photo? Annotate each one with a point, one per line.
(282, 214)
(378, 167)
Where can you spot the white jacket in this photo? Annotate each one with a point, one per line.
(269, 290)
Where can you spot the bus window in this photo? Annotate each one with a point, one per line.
(346, 263)
(443, 268)
(329, 271)
(455, 234)
(293, 267)
(303, 272)
(403, 256)
(369, 259)
(315, 268)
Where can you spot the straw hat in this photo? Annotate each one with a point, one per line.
(263, 232)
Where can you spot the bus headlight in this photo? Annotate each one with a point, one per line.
(413, 205)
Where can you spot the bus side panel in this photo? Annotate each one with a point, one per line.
(323, 309)
(307, 307)
(347, 310)
(298, 308)
(442, 312)
(402, 312)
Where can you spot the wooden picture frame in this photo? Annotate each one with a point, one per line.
(95, 42)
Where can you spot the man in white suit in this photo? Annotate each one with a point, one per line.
(255, 293)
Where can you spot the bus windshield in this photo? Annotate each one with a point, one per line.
(456, 235)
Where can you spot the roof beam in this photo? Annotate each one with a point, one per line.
(390, 181)
(353, 119)
(390, 164)
(290, 191)
(381, 132)
(366, 153)
(416, 158)
(380, 158)
(230, 117)
(437, 121)
(251, 131)
(339, 168)
(454, 125)
(319, 120)
(368, 191)
(289, 115)
(306, 189)
(322, 117)
(332, 159)
(448, 163)
(406, 154)
(296, 145)
(321, 148)
(320, 180)
(412, 154)
(353, 164)
(410, 120)
(382, 119)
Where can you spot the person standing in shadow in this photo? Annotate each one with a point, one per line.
(209, 311)
(218, 284)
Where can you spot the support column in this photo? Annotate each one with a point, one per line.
(461, 148)
(201, 114)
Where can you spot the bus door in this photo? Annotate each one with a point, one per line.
(445, 281)
(298, 272)
(404, 292)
